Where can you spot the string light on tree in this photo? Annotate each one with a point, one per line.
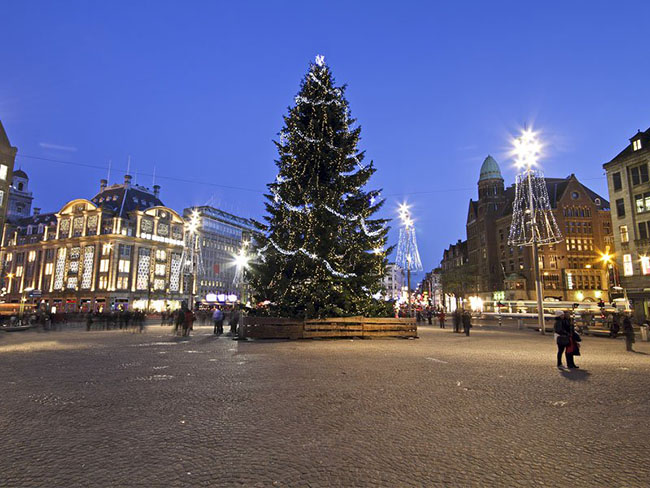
(533, 223)
(321, 253)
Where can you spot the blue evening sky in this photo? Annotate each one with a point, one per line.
(198, 90)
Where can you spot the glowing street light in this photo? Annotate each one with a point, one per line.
(526, 149)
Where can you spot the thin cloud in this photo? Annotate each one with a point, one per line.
(47, 145)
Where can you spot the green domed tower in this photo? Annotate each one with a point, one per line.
(490, 181)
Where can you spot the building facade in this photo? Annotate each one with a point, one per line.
(7, 160)
(221, 236)
(394, 283)
(572, 270)
(629, 192)
(432, 286)
(20, 198)
(121, 249)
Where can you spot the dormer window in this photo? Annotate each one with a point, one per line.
(636, 144)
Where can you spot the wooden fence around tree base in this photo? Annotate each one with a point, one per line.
(364, 327)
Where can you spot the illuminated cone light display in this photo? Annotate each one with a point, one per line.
(408, 256)
(533, 223)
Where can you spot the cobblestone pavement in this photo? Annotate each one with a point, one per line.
(81, 409)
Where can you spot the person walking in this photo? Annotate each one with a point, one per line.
(234, 320)
(615, 326)
(179, 319)
(217, 320)
(628, 331)
(441, 319)
(89, 321)
(188, 320)
(457, 320)
(467, 322)
(563, 337)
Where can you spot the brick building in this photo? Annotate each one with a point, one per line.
(571, 270)
(629, 191)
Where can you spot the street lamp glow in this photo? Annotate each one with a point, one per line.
(241, 259)
(193, 224)
(606, 258)
(405, 215)
(526, 149)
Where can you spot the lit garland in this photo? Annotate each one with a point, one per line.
(309, 207)
(311, 255)
(300, 99)
(545, 229)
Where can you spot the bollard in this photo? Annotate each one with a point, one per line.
(520, 323)
(644, 333)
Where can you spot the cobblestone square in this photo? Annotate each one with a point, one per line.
(111, 408)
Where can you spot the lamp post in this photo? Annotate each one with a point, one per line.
(408, 256)
(533, 223)
(193, 243)
(241, 263)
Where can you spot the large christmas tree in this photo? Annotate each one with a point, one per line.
(321, 255)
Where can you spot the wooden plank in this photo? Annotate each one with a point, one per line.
(270, 321)
(388, 327)
(323, 333)
(333, 327)
(390, 334)
(334, 320)
(388, 320)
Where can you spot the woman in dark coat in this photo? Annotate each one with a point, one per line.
(564, 335)
(628, 330)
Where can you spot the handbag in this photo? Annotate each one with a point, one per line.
(563, 341)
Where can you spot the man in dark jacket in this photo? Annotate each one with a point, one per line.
(563, 332)
(628, 331)
(457, 320)
(467, 322)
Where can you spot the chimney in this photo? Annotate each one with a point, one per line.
(37, 211)
(102, 184)
(156, 191)
(127, 181)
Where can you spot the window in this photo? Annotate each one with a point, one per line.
(639, 174)
(103, 282)
(636, 145)
(160, 269)
(3, 172)
(31, 256)
(625, 237)
(2, 197)
(103, 266)
(620, 208)
(645, 265)
(124, 266)
(161, 255)
(642, 202)
(106, 249)
(616, 180)
(122, 282)
(49, 267)
(627, 265)
(19, 271)
(643, 231)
